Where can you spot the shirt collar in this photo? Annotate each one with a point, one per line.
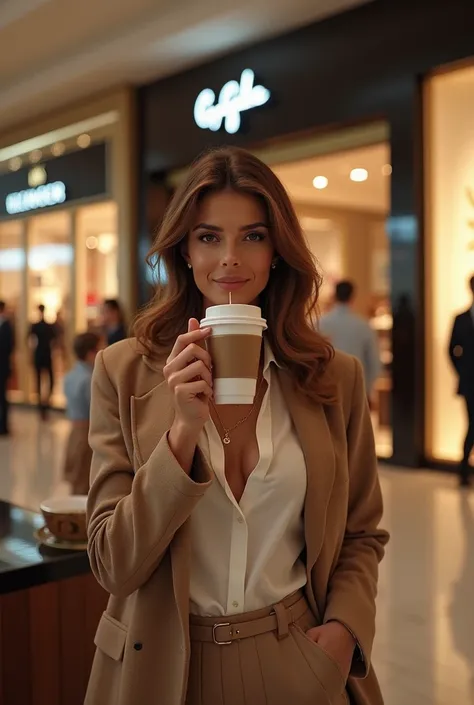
(268, 356)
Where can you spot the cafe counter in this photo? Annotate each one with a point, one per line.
(50, 606)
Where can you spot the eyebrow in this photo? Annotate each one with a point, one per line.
(215, 228)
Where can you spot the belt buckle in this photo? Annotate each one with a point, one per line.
(216, 626)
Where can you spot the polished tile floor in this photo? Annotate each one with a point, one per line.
(424, 651)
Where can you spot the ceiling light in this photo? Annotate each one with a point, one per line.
(92, 242)
(320, 182)
(15, 164)
(387, 169)
(83, 141)
(35, 156)
(359, 175)
(58, 148)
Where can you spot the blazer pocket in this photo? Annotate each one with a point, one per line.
(110, 637)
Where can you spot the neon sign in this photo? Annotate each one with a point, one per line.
(234, 98)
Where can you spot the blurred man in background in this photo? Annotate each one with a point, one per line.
(42, 336)
(7, 343)
(351, 333)
(114, 321)
(77, 388)
(461, 353)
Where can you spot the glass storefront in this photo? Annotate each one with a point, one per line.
(449, 105)
(67, 261)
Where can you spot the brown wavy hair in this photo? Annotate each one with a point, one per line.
(289, 301)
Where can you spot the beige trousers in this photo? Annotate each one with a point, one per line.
(280, 666)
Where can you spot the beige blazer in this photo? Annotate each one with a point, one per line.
(139, 543)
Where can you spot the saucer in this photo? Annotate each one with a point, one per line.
(45, 537)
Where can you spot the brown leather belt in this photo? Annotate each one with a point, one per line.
(224, 633)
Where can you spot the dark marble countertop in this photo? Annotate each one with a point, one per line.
(23, 562)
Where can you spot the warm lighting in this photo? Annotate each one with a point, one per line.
(320, 182)
(92, 242)
(58, 148)
(15, 164)
(107, 243)
(35, 156)
(83, 141)
(37, 176)
(387, 169)
(359, 175)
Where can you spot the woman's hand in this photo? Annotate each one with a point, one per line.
(188, 374)
(337, 642)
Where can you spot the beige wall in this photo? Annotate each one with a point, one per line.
(449, 261)
(362, 243)
(122, 136)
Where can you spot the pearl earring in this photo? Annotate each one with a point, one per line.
(274, 265)
(190, 266)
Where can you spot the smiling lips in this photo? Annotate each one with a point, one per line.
(231, 283)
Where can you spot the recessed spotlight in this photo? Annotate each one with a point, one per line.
(15, 164)
(35, 156)
(58, 148)
(359, 175)
(83, 141)
(320, 182)
(387, 169)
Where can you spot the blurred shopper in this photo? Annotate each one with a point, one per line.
(77, 388)
(42, 335)
(352, 334)
(114, 321)
(7, 343)
(461, 353)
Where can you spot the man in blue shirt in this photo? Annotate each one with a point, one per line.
(77, 388)
(352, 334)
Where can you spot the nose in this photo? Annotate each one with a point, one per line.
(230, 258)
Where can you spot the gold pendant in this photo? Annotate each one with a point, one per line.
(226, 439)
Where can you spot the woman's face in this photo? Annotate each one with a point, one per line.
(230, 249)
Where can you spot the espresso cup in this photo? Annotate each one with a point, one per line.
(234, 345)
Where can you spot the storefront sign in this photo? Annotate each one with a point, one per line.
(69, 178)
(33, 198)
(234, 98)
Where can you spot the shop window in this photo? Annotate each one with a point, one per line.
(12, 265)
(449, 261)
(96, 262)
(50, 266)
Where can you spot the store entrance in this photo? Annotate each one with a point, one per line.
(342, 199)
(67, 262)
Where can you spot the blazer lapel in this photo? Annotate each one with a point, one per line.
(151, 416)
(313, 432)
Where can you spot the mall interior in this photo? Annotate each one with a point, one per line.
(362, 109)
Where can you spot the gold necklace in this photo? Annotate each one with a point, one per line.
(227, 431)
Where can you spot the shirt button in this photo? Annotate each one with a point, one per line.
(240, 520)
(235, 604)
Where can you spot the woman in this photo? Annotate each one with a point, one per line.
(243, 572)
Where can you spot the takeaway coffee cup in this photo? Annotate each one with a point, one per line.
(234, 345)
